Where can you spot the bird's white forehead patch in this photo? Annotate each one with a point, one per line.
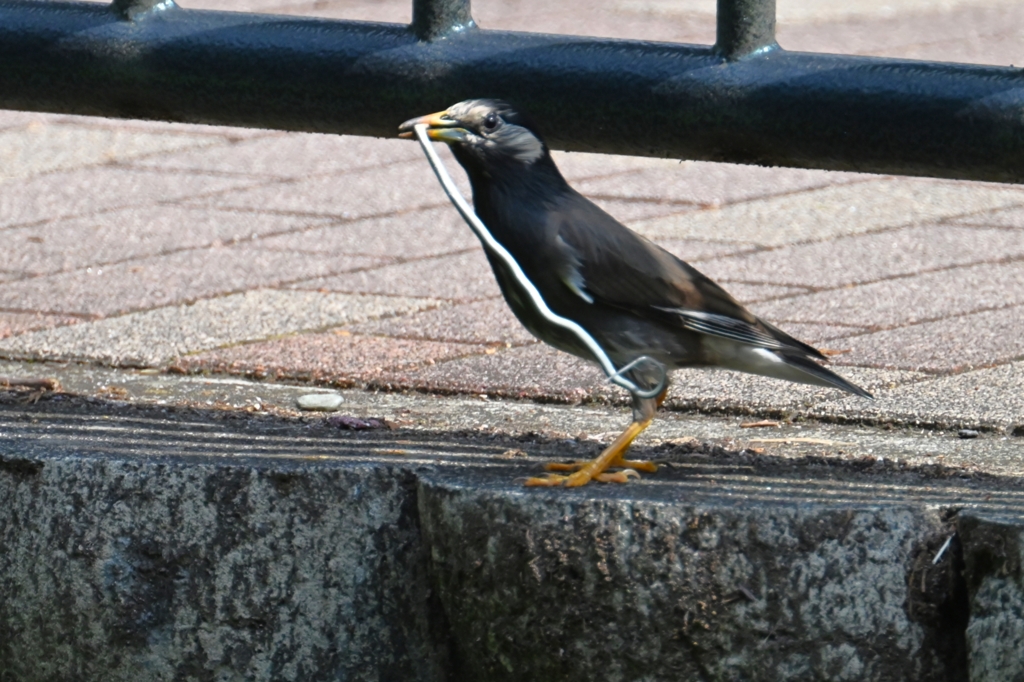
(463, 110)
(509, 140)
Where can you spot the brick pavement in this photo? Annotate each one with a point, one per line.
(338, 260)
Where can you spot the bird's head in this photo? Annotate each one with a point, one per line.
(484, 133)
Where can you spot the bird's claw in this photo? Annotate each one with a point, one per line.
(617, 477)
(580, 478)
(565, 466)
(639, 465)
(549, 481)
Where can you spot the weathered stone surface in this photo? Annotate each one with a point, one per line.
(173, 567)
(994, 562)
(562, 587)
(145, 543)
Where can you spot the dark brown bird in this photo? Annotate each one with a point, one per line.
(643, 309)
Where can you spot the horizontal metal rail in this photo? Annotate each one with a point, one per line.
(744, 100)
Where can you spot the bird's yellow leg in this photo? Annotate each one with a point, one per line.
(594, 470)
(617, 462)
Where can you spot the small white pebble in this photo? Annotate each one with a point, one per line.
(320, 402)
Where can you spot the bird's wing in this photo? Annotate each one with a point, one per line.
(604, 262)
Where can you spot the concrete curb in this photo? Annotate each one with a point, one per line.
(994, 552)
(156, 544)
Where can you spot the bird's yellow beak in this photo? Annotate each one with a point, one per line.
(441, 128)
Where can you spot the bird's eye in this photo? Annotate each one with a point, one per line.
(491, 121)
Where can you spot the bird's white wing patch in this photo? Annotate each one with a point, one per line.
(575, 282)
(570, 271)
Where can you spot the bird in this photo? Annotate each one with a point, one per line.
(643, 309)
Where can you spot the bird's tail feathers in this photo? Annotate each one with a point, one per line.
(824, 375)
(787, 340)
(791, 365)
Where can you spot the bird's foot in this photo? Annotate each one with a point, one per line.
(638, 465)
(597, 469)
(581, 478)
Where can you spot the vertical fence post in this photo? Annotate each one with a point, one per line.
(745, 27)
(433, 19)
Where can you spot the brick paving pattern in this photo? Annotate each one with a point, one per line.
(338, 260)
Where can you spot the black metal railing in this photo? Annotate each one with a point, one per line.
(743, 100)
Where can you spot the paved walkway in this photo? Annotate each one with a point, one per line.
(338, 260)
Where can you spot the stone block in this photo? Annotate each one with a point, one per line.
(162, 567)
(994, 570)
(168, 544)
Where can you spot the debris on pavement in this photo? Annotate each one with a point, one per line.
(320, 402)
